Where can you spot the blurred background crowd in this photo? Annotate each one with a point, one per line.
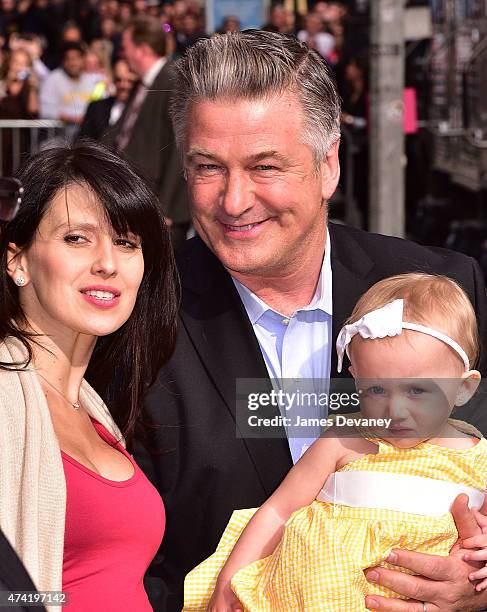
(53, 47)
(67, 61)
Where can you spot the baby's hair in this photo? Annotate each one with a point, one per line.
(435, 301)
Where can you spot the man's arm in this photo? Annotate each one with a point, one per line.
(441, 582)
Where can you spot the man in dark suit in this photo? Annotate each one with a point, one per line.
(101, 114)
(265, 290)
(144, 133)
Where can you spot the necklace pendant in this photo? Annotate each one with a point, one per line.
(76, 405)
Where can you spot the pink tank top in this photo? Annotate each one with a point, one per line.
(113, 531)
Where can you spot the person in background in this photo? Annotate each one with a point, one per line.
(110, 38)
(314, 36)
(19, 98)
(33, 45)
(97, 63)
(10, 17)
(140, 7)
(188, 34)
(125, 14)
(101, 114)
(290, 22)
(37, 19)
(230, 23)
(144, 133)
(354, 93)
(104, 50)
(67, 91)
(113, 9)
(71, 33)
(153, 8)
(277, 19)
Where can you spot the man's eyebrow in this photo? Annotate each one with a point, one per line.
(266, 155)
(197, 151)
(250, 159)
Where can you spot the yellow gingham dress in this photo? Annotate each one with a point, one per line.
(319, 563)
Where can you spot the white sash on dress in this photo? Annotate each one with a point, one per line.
(401, 492)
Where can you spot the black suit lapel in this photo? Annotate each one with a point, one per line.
(351, 266)
(222, 334)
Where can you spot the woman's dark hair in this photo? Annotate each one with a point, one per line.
(125, 362)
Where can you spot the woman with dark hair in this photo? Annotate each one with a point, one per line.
(87, 261)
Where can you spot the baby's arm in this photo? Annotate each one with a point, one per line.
(264, 530)
(478, 542)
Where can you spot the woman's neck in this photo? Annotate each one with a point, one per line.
(63, 361)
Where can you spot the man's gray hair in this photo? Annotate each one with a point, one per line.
(255, 64)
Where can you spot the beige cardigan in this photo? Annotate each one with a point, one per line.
(32, 484)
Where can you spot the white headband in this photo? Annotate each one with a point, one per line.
(387, 321)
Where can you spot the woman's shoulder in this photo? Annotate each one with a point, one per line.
(14, 360)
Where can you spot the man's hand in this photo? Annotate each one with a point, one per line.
(442, 582)
(479, 553)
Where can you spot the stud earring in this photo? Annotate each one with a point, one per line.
(20, 281)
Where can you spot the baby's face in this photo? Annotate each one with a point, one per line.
(412, 379)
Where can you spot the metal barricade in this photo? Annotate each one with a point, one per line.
(19, 137)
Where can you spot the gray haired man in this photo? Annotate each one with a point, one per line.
(265, 288)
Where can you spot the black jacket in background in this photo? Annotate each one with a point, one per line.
(97, 116)
(13, 575)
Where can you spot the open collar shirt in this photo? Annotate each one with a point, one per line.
(297, 352)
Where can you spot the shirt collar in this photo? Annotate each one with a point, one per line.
(150, 76)
(321, 300)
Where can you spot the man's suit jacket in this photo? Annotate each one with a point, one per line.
(152, 147)
(96, 119)
(201, 468)
(13, 575)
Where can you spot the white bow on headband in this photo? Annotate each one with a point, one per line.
(387, 321)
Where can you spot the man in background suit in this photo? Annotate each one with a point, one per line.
(144, 132)
(266, 288)
(101, 114)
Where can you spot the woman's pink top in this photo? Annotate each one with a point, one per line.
(113, 531)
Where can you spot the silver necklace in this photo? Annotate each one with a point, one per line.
(75, 405)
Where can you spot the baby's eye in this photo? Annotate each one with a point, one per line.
(376, 390)
(416, 391)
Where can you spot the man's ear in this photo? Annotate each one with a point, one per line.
(330, 172)
(471, 381)
(15, 264)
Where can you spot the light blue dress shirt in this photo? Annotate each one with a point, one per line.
(297, 351)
